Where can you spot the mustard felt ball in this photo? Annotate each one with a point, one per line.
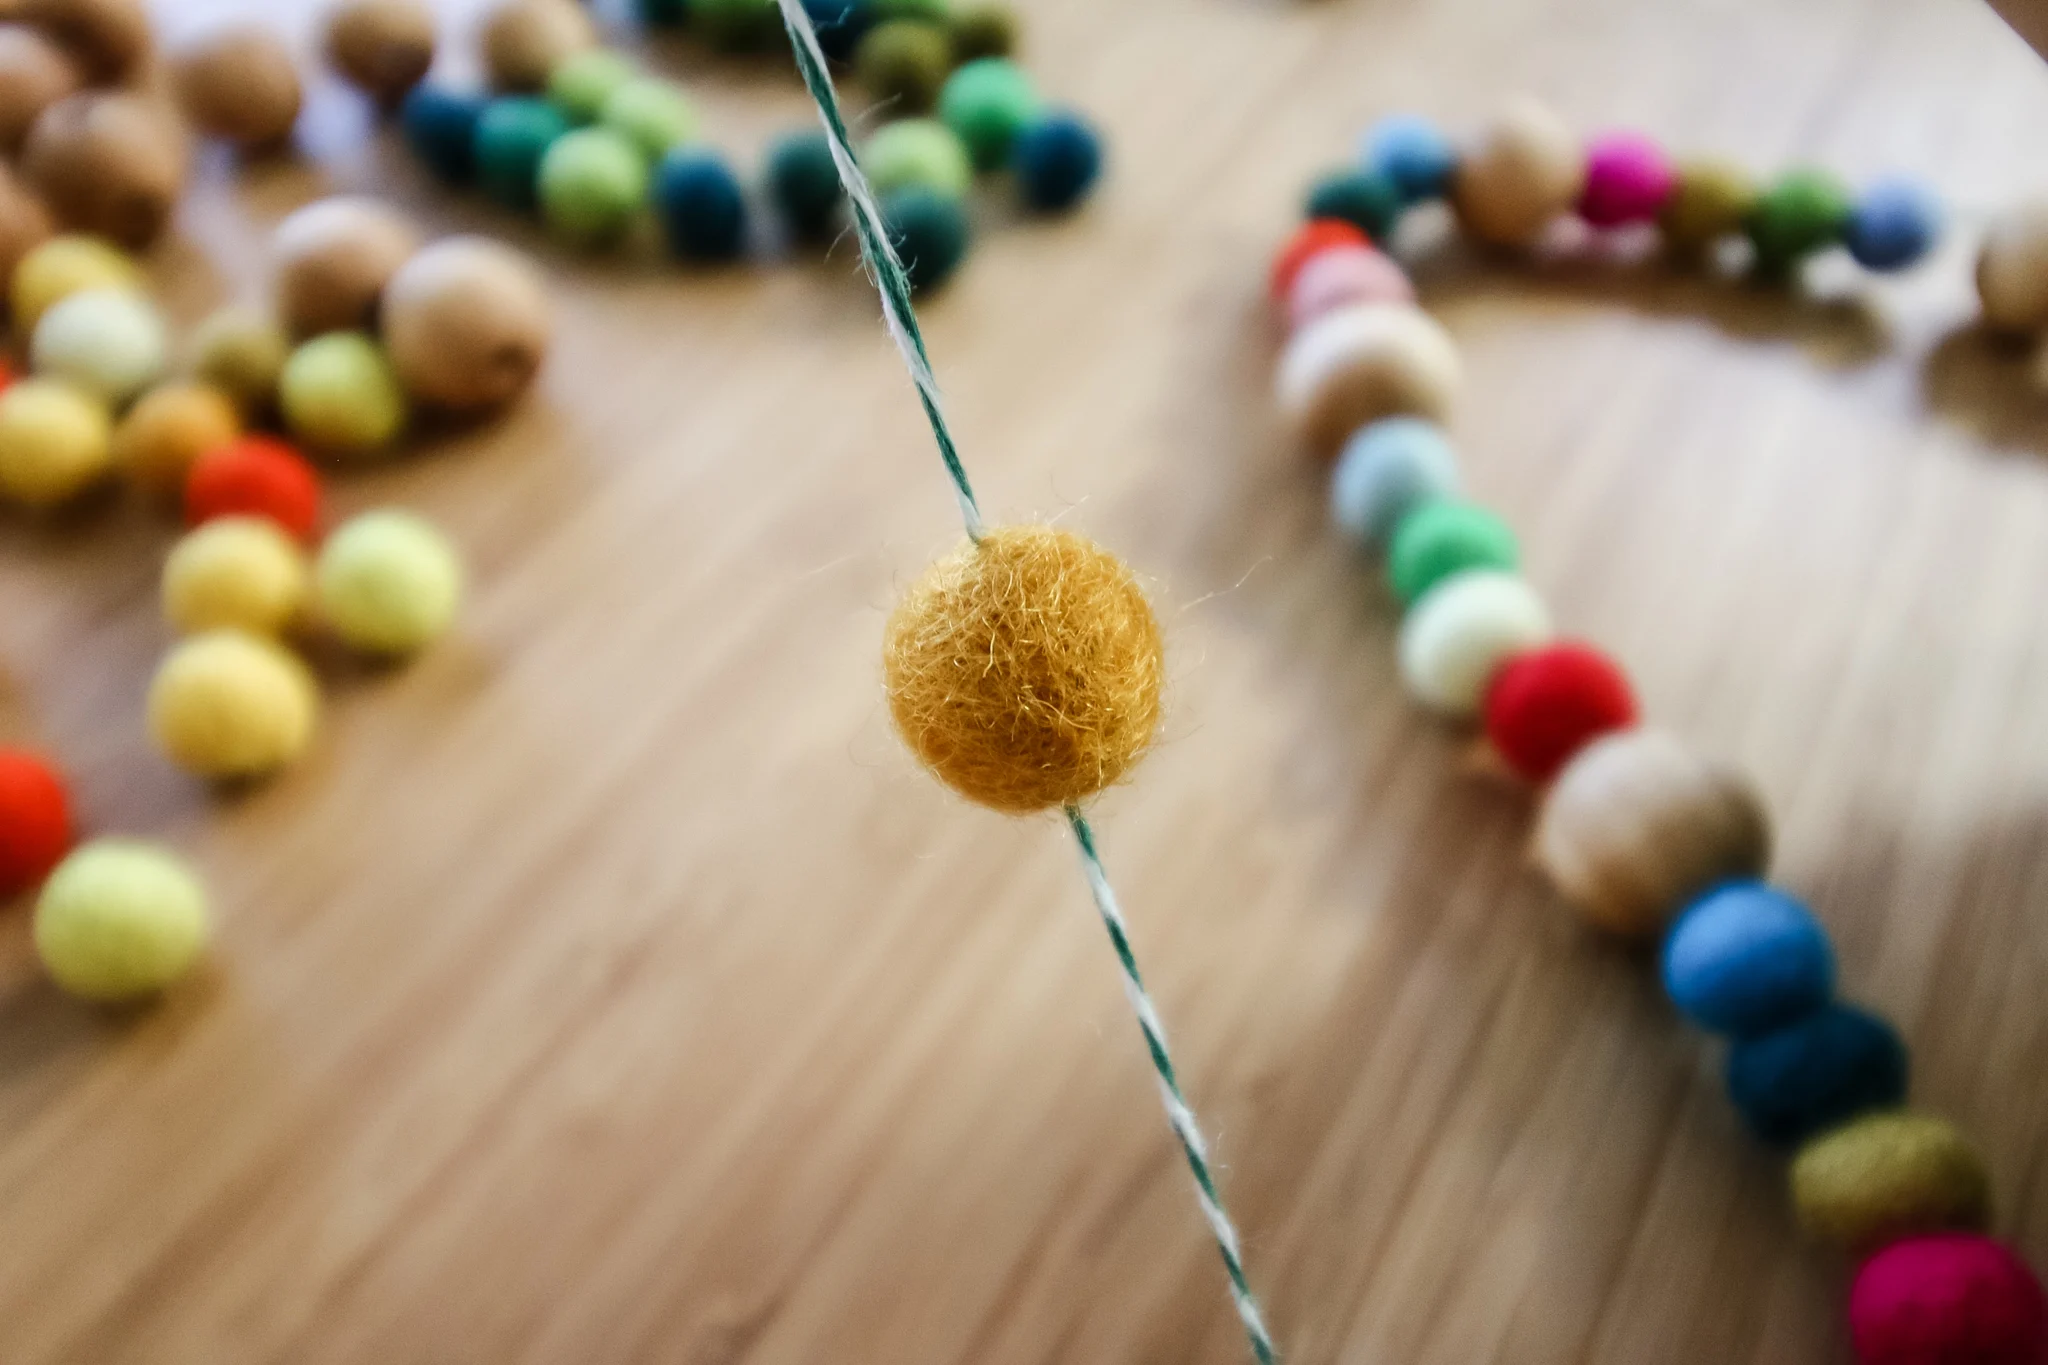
(228, 704)
(110, 342)
(62, 266)
(1025, 671)
(241, 572)
(339, 393)
(240, 351)
(1712, 201)
(388, 582)
(55, 442)
(169, 428)
(1889, 1175)
(1458, 635)
(119, 919)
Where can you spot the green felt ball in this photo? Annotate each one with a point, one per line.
(580, 84)
(592, 182)
(1803, 212)
(929, 232)
(986, 30)
(735, 25)
(1368, 200)
(986, 103)
(904, 63)
(917, 152)
(512, 135)
(654, 115)
(1442, 537)
(804, 183)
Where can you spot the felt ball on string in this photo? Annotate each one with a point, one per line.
(904, 63)
(1797, 215)
(56, 441)
(1524, 171)
(1308, 240)
(1628, 180)
(983, 30)
(1886, 1176)
(242, 572)
(35, 820)
(106, 39)
(580, 83)
(1711, 200)
(1745, 958)
(1892, 225)
(239, 82)
(591, 183)
(382, 47)
(840, 25)
(1947, 1298)
(917, 153)
(109, 342)
(1459, 634)
(1412, 152)
(1386, 469)
(61, 267)
(256, 476)
(1341, 276)
(733, 25)
(1816, 1073)
(1446, 536)
(1056, 160)
(163, 435)
(439, 124)
(387, 582)
(513, 134)
(465, 323)
(119, 920)
(803, 183)
(1368, 200)
(1025, 670)
(523, 41)
(339, 393)
(227, 704)
(654, 115)
(1546, 705)
(240, 351)
(1362, 363)
(987, 103)
(702, 209)
(929, 232)
(331, 258)
(34, 74)
(108, 162)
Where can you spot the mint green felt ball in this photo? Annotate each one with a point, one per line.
(921, 153)
(987, 103)
(1442, 537)
(580, 84)
(1797, 216)
(592, 182)
(654, 115)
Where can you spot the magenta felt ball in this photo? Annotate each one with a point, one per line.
(1345, 275)
(1628, 178)
(1952, 1298)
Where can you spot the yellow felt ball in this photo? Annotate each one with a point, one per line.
(54, 442)
(243, 572)
(61, 267)
(338, 392)
(388, 582)
(119, 919)
(228, 704)
(1889, 1175)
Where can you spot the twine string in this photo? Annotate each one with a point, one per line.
(891, 281)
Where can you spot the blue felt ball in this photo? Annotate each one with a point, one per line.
(698, 199)
(439, 124)
(1387, 469)
(1056, 160)
(1809, 1076)
(1893, 225)
(840, 25)
(1412, 152)
(1746, 958)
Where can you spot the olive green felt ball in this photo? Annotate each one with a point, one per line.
(119, 919)
(592, 182)
(917, 152)
(986, 103)
(654, 115)
(387, 582)
(987, 30)
(339, 393)
(1889, 1175)
(580, 84)
(734, 24)
(1442, 537)
(1797, 216)
(904, 64)
(512, 135)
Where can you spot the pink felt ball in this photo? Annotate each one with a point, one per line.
(1344, 275)
(1628, 179)
(1952, 1298)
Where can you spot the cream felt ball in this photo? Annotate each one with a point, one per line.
(239, 571)
(55, 442)
(1358, 364)
(119, 919)
(388, 582)
(1461, 631)
(339, 393)
(109, 342)
(228, 704)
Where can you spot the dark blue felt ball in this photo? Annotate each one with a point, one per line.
(803, 183)
(1746, 958)
(698, 199)
(1056, 160)
(840, 24)
(439, 124)
(929, 231)
(1809, 1076)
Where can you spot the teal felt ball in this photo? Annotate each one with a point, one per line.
(512, 135)
(1816, 1073)
(439, 123)
(930, 234)
(592, 183)
(1056, 161)
(1369, 200)
(1446, 536)
(1746, 958)
(987, 103)
(803, 183)
(698, 200)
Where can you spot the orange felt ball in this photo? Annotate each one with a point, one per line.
(35, 820)
(256, 476)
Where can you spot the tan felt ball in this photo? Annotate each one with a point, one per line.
(332, 259)
(2012, 269)
(24, 222)
(239, 82)
(169, 428)
(1637, 825)
(524, 40)
(1355, 365)
(466, 323)
(1524, 170)
(382, 47)
(34, 74)
(108, 39)
(108, 162)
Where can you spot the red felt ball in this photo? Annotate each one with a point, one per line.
(1318, 234)
(255, 476)
(1951, 1298)
(35, 820)
(1546, 705)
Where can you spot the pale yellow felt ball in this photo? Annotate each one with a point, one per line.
(338, 392)
(1524, 171)
(228, 704)
(62, 266)
(243, 572)
(1358, 364)
(1459, 633)
(108, 341)
(169, 428)
(387, 582)
(119, 919)
(240, 351)
(55, 442)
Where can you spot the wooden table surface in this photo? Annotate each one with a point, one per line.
(609, 987)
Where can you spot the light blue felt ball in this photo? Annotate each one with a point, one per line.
(1746, 958)
(1385, 470)
(1893, 225)
(1412, 152)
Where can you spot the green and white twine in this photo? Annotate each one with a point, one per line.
(894, 286)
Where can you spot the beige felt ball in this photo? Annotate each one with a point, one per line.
(524, 40)
(240, 351)
(382, 47)
(108, 162)
(55, 442)
(168, 429)
(1524, 170)
(109, 341)
(55, 269)
(107, 39)
(2012, 269)
(1355, 365)
(239, 82)
(24, 222)
(332, 258)
(242, 572)
(466, 323)
(228, 704)
(34, 74)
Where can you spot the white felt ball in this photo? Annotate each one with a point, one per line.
(1460, 632)
(1359, 364)
(109, 342)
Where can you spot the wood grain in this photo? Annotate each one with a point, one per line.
(609, 987)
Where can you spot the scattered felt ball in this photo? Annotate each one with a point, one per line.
(2012, 268)
(592, 181)
(239, 82)
(1446, 536)
(983, 30)
(803, 183)
(987, 102)
(654, 115)
(108, 341)
(383, 48)
(255, 476)
(1746, 958)
(330, 260)
(55, 442)
(1343, 276)
(466, 322)
(228, 704)
(1546, 705)
(1797, 215)
(523, 41)
(1317, 235)
(1947, 1298)
(24, 222)
(61, 266)
(925, 11)
(1361, 363)
(1386, 469)
(1892, 225)
(1710, 200)
(1368, 200)
(110, 162)
(163, 435)
(582, 82)
(1457, 636)
(1628, 180)
(34, 74)
(840, 25)
(1025, 671)
(388, 583)
(1412, 152)
(119, 920)
(239, 572)
(35, 820)
(107, 40)
(917, 153)
(1886, 1176)
(1816, 1073)
(439, 123)
(904, 63)
(930, 233)
(1523, 171)
(338, 392)
(734, 25)
(513, 134)
(1056, 160)
(702, 209)
(1636, 825)
(240, 351)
